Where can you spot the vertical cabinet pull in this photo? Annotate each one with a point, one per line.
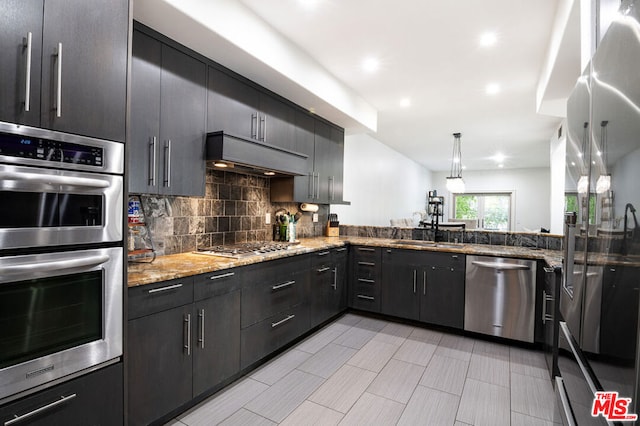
(152, 161)
(167, 163)
(335, 278)
(201, 338)
(312, 187)
(254, 129)
(263, 123)
(415, 277)
(318, 185)
(424, 283)
(332, 185)
(58, 106)
(187, 334)
(27, 85)
(51, 405)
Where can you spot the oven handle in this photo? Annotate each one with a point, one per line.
(501, 266)
(58, 265)
(54, 179)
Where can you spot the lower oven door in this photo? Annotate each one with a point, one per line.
(60, 313)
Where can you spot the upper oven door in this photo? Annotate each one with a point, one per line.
(47, 207)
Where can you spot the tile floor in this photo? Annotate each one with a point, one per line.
(364, 371)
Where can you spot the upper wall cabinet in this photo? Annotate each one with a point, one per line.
(240, 109)
(64, 65)
(168, 113)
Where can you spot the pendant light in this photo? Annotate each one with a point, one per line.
(455, 184)
(604, 181)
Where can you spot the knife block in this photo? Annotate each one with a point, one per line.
(332, 231)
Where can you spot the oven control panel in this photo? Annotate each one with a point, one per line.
(56, 151)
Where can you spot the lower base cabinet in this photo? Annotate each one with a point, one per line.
(328, 295)
(93, 399)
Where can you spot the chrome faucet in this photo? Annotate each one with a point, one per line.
(635, 233)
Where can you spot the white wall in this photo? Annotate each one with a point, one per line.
(624, 179)
(380, 183)
(557, 158)
(529, 186)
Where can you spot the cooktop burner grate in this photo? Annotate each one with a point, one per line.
(238, 251)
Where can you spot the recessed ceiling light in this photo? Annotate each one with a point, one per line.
(499, 157)
(492, 89)
(370, 64)
(270, 173)
(488, 39)
(405, 102)
(221, 165)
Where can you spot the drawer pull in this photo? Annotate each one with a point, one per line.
(324, 253)
(366, 249)
(341, 249)
(167, 288)
(325, 269)
(275, 324)
(549, 270)
(283, 285)
(364, 280)
(361, 296)
(49, 406)
(366, 263)
(217, 277)
(335, 278)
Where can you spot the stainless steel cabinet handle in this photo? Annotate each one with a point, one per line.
(335, 278)
(548, 269)
(332, 185)
(187, 335)
(153, 157)
(167, 288)
(254, 130)
(501, 266)
(415, 277)
(217, 277)
(366, 263)
(58, 106)
(325, 269)
(289, 317)
(167, 163)
(41, 179)
(283, 285)
(263, 122)
(58, 265)
(361, 296)
(318, 185)
(201, 338)
(311, 186)
(544, 306)
(341, 249)
(324, 253)
(27, 85)
(26, 416)
(424, 283)
(366, 249)
(364, 280)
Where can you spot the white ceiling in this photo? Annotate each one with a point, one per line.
(429, 52)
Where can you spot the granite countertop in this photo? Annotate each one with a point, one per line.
(188, 264)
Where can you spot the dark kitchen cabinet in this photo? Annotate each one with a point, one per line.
(93, 399)
(168, 114)
(328, 284)
(239, 108)
(550, 317)
(366, 277)
(81, 90)
(425, 286)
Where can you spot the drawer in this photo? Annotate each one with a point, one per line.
(366, 301)
(366, 254)
(152, 298)
(453, 261)
(264, 337)
(366, 272)
(322, 258)
(272, 295)
(275, 270)
(218, 283)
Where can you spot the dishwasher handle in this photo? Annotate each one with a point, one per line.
(501, 266)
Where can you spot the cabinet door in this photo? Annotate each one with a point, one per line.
(336, 165)
(183, 98)
(305, 144)
(322, 161)
(232, 105)
(400, 290)
(216, 341)
(339, 298)
(442, 300)
(159, 363)
(277, 122)
(145, 114)
(322, 291)
(92, 399)
(19, 18)
(619, 312)
(92, 74)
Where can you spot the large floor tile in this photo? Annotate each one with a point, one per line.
(518, 419)
(373, 356)
(311, 414)
(246, 417)
(349, 320)
(322, 338)
(277, 402)
(425, 335)
(222, 405)
(496, 350)
(394, 333)
(415, 352)
(373, 410)
(484, 404)
(457, 347)
(397, 381)
(445, 374)
(279, 367)
(327, 360)
(532, 396)
(372, 324)
(488, 369)
(355, 337)
(344, 388)
(529, 363)
(429, 406)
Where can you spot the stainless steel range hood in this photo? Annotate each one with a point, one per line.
(253, 156)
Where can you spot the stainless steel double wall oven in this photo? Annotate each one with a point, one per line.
(61, 256)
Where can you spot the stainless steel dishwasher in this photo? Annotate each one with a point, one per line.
(500, 297)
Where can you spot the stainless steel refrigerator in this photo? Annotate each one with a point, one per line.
(598, 349)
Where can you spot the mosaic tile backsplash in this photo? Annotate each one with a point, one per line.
(232, 211)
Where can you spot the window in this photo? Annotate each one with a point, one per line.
(571, 205)
(492, 211)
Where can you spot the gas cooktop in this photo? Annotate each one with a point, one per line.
(243, 250)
